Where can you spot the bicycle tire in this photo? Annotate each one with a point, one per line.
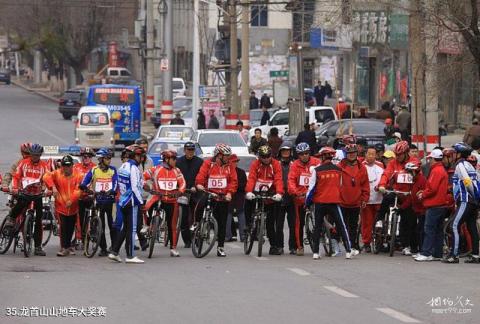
(249, 239)
(376, 243)
(393, 233)
(28, 234)
(327, 242)
(154, 226)
(6, 238)
(260, 233)
(202, 235)
(48, 227)
(164, 230)
(309, 228)
(93, 236)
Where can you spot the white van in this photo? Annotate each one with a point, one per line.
(178, 87)
(94, 128)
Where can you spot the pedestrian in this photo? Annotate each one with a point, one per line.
(265, 102)
(274, 141)
(256, 141)
(201, 120)
(177, 120)
(328, 90)
(319, 93)
(286, 205)
(243, 132)
(341, 108)
(472, 135)
(265, 117)
(253, 100)
(385, 112)
(308, 136)
(237, 205)
(213, 121)
(348, 114)
(404, 121)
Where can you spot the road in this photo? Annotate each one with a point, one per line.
(237, 289)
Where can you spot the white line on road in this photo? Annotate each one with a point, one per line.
(298, 271)
(50, 134)
(262, 258)
(340, 291)
(397, 315)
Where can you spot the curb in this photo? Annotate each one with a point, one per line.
(39, 93)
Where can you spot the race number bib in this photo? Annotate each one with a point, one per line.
(404, 178)
(103, 185)
(304, 180)
(217, 183)
(29, 181)
(167, 184)
(262, 185)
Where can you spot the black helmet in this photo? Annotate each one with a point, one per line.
(36, 149)
(67, 160)
(265, 151)
(379, 147)
(189, 146)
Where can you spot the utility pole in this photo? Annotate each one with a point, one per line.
(233, 59)
(167, 109)
(196, 64)
(297, 105)
(149, 56)
(244, 114)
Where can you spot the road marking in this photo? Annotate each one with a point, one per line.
(340, 291)
(298, 271)
(50, 134)
(397, 315)
(262, 258)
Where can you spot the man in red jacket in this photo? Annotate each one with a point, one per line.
(355, 190)
(434, 197)
(266, 175)
(298, 181)
(324, 191)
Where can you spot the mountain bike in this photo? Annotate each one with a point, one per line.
(158, 229)
(206, 231)
(49, 222)
(93, 228)
(258, 227)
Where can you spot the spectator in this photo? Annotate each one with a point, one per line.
(348, 113)
(308, 136)
(319, 93)
(242, 130)
(221, 120)
(237, 204)
(265, 117)
(472, 135)
(257, 141)
(404, 121)
(213, 122)
(328, 90)
(341, 108)
(386, 112)
(201, 120)
(177, 120)
(413, 151)
(274, 141)
(253, 100)
(265, 102)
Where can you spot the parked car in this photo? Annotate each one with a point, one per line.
(94, 127)
(369, 129)
(256, 116)
(179, 87)
(174, 131)
(71, 101)
(161, 144)
(208, 138)
(182, 104)
(5, 76)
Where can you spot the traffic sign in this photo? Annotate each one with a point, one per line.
(164, 65)
(277, 74)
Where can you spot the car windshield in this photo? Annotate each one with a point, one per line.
(94, 119)
(176, 132)
(179, 103)
(72, 95)
(158, 147)
(212, 139)
(361, 128)
(177, 85)
(245, 162)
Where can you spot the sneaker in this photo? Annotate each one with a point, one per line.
(450, 259)
(174, 253)
(272, 250)
(292, 252)
(424, 258)
(63, 252)
(221, 252)
(144, 229)
(472, 259)
(39, 251)
(103, 253)
(280, 251)
(114, 257)
(300, 252)
(134, 260)
(407, 251)
(351, 254)
(416, 255)
(316, 256)
(71, 250)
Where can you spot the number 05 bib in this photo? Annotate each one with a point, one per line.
(217, 182)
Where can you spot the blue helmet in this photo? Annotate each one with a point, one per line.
(36, 149)
(104, 152)
(302, 147)
(463, 148)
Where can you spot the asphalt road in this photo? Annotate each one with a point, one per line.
(237, 289)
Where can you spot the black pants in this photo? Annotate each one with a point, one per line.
(21, 205)
(408, 229)
(420, 231)
(350, 216)
(130, 215)
(105, 210)
(290, 211)
(275, 223)
(466, 212)
(334, 211)
(67, 223)
(141, 237)
(220, 212)
(187, 218)
(171, 212)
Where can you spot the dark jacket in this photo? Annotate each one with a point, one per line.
(274, 142)
(328, 90)
(201, 121)
(255, 145)
(189, 169)
(472, 137)
(238, 199)
(253, 103)
(213, 123)
(308, 136)
(286, 199)
(384, 114)
(265, 118)
(265, 102)
(177, 121)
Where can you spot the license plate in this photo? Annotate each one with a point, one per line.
(69, 103)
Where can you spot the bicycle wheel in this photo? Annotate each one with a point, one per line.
(327, 241)
(377, 241)
(393, 233)
(204, 237)
(48, 225)
(93, 236)
(260, 233)
(153, 234)
(6, 238)
(28, 235)
(309, 227)
(249, 239)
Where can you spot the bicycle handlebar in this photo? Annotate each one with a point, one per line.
(396, 192)
(161, 194)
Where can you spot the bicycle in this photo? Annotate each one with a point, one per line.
(206, 231)
(49, 222)
(258, 228)
(93, 228)
(24, 223)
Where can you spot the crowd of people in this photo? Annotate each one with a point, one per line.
(352, 185)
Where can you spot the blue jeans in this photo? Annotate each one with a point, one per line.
(241, 224)
(433, 238)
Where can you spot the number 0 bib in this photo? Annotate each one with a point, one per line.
(217, 182)
(304, 180)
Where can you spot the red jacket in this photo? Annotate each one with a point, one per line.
(265, 174)
(395, 172)
(436, 189)
(355, 184)
(412, 200)
(325, 184)
(299, 177)
(83, 169)
(216, 177)
(30, 174)
(166, 180)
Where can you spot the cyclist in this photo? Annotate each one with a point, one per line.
(64, 184)
(218, 176)
(466, 194)
(102, 179)
(86, 164)
(298, 181)
(144, 165)
(28, 178)
(130, 184)
(355, 190)
(8, 176)
(266, 173)
(168, 180)
(287, 206)
(324, 192)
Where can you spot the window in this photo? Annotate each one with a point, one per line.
(94, 119)
(259, 16)
(280, 119)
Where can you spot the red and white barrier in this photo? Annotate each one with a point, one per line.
(431, 140)
(167, 112)
(231, 121)
(149, 105)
